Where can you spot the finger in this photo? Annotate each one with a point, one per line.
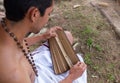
(57, 28)
(53, 30)
(53, 34)
(77, 64)
(83, 66)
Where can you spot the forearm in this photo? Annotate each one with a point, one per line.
(33, 40)
(48, 34)
(68, 79)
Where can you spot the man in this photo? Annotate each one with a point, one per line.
(23, 17)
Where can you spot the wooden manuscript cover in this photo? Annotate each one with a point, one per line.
(62, 53)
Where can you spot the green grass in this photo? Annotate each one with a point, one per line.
(89, 42)
(110, 77)
(98, 48)
(87, 59)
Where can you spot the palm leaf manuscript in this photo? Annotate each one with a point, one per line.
(62, 53)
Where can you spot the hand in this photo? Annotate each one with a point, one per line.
(51, 32)
(77, 70)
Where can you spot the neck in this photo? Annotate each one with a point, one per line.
(20, 29)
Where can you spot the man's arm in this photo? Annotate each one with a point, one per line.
(48, 34)
(33, 40)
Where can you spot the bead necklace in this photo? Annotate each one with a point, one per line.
(27, 54)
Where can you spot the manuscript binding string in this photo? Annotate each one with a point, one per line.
(62, 53)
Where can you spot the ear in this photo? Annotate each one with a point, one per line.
(33, 14)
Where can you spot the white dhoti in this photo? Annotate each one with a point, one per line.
(44, 66)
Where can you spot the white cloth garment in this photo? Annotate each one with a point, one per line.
(44, 65)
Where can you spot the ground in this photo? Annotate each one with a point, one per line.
(95, 37)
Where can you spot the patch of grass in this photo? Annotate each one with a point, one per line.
(87, 59)
(112, 66)
(95, 67)
(110, 77)
(76, 32)
(87, 31)
(98, 48)
(89, 42)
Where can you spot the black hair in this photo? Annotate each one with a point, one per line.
(15, 10)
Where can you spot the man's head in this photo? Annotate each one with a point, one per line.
(16, 9)
(35, 11)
